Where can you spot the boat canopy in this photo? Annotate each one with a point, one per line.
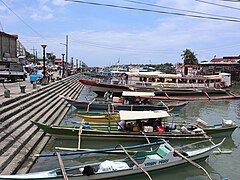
(139, 115)
(137, 94)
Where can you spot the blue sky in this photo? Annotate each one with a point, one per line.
(100, 36)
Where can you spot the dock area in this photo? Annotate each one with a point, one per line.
(19, 138)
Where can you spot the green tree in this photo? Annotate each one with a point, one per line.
(189, 57)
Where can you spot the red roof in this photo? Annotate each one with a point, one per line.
(58, 60)
(225, 60)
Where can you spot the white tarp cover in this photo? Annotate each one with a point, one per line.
(137, 94)
(134, 115)
(107, 166)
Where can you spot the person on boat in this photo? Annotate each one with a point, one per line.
(106, 96)
(153, 123)
(159, 122)
(139, 124)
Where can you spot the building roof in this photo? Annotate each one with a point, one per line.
(9, 35)
(225, 60)
(58, 60)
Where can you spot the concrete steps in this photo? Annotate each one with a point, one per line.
(18, 136)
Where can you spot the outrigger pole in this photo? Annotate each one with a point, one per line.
(100, 150)
(130, 157)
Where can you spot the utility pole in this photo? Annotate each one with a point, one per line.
(76, 63)
(63, 67)
(72, 62)
(36, 57)
(66, 48)
(33, 49)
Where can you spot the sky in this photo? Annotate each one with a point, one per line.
(157, 33)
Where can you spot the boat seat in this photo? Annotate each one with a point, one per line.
(200, 123)
(162, 151)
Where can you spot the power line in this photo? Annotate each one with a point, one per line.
(215, 4)
(196, 12)
(20, 18)
(153, 11)
(1, 26)
(231, 0)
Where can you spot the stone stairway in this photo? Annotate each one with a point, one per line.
(19, 138)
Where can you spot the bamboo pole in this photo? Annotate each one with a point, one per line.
(135, 162)
(79, 134)
(62, 166)
(147, 139)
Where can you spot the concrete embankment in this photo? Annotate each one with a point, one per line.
(19, 138)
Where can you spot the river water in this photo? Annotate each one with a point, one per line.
(224, 166)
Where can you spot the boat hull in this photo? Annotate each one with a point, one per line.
(150, 165)
(220, 132)
(116, 106)
(90, 134)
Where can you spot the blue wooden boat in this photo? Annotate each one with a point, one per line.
(108, 106)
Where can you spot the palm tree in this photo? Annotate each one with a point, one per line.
(189, 57)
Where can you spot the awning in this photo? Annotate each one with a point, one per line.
(140, 115)
(137, 94)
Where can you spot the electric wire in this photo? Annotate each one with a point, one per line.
(1, 26)
(196, 12)
(215, 4)
(153, 11)
(21, 19)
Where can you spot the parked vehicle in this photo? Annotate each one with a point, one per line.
(10, 70)
(36, 76)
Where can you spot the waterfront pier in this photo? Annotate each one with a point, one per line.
(19, 138)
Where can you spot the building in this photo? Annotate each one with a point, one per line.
(8, 46)
(227, 64)
(58, 61)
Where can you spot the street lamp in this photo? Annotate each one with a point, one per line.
(44, 68)
(63, 65)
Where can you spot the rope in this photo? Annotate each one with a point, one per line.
(133, 160)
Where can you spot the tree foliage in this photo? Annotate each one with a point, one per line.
(189, 57)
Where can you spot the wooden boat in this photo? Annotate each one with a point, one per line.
(100, 87)
(102, 118)
(179, 92)
(226, 128)
(130, 132)
(90, 105)
(183, 95)
(140, 81)
(162, 158)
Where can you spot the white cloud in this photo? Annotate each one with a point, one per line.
(59, 2)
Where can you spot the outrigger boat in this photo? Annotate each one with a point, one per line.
(101, 118)
(182, 94)
(162, 158)
(130, 132)
(92, 105)
(224, 129)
